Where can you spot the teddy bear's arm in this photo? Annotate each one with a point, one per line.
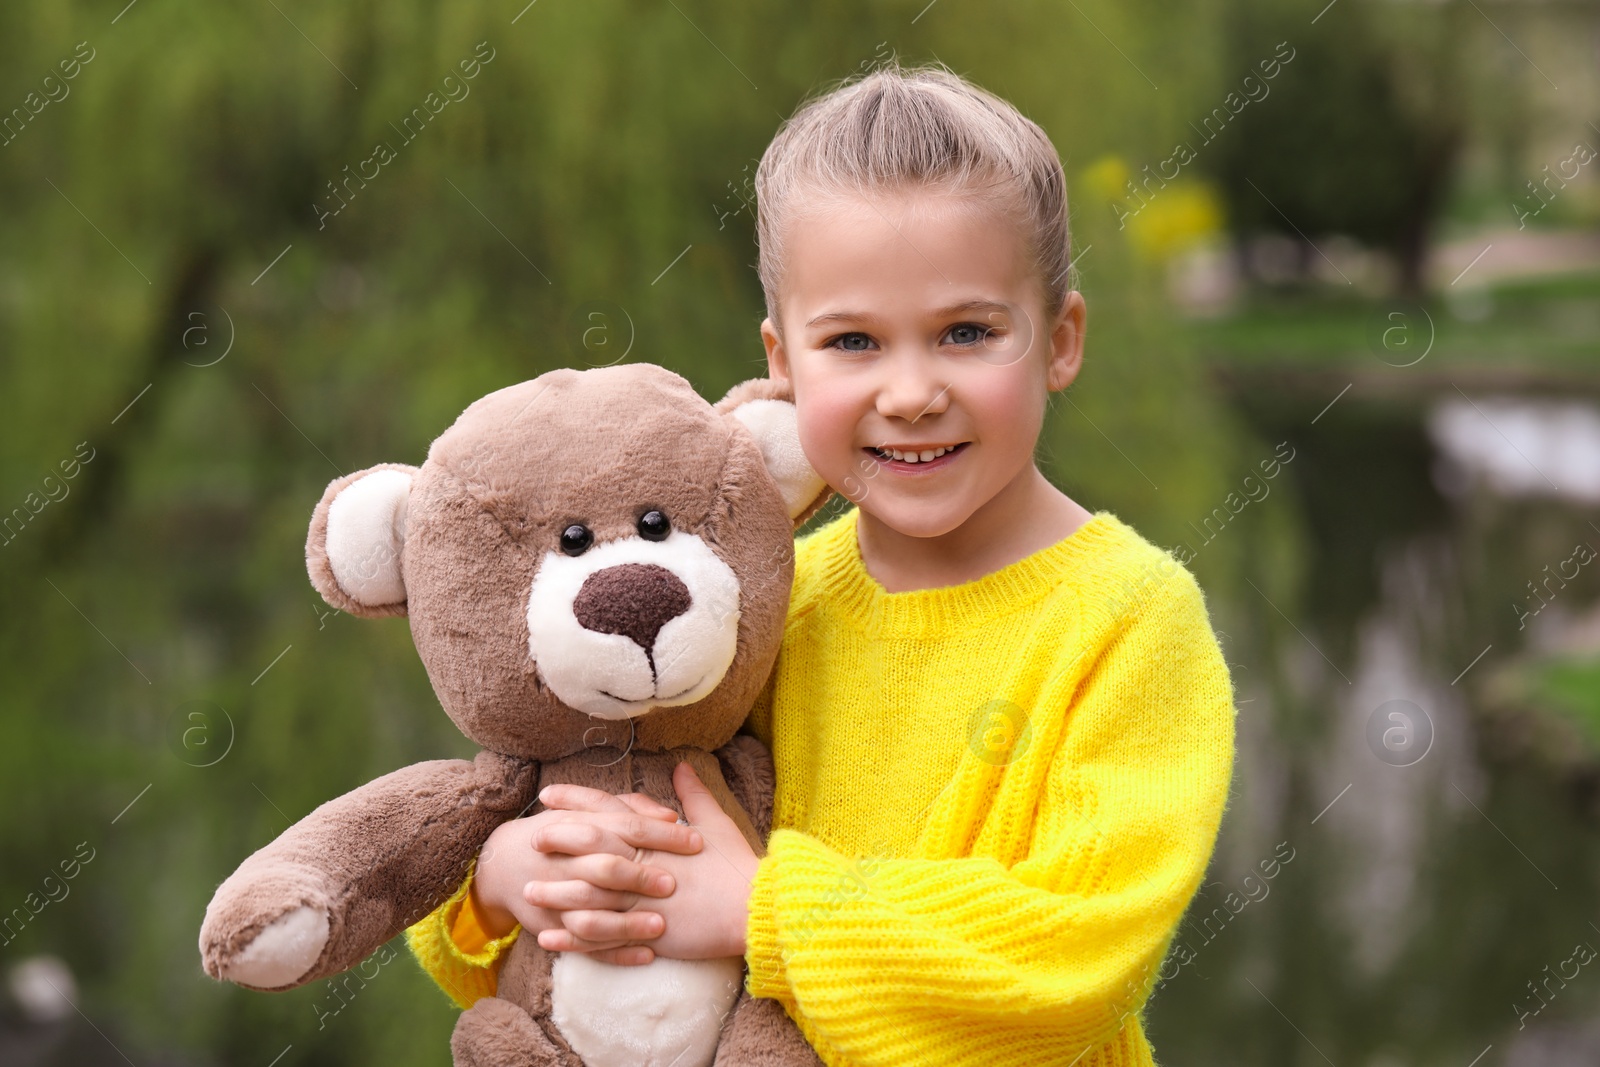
(747, 768)
(358, 870)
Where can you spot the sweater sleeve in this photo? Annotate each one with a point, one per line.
(455, 951)
(969, 960)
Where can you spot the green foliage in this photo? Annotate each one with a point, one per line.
(1343, 148)
(178, 293)
(180, 203)
(1573, 687)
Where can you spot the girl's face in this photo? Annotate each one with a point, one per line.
(913, 325)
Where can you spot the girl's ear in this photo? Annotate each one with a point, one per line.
(356, 541)
(766, 408)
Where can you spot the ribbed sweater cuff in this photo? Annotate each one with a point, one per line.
(465, 976)
(475, 948)
(763, 955)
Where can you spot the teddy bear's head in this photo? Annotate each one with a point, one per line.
(590, 559)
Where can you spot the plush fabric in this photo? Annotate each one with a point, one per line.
(994, 802)
(365, 534)
(604, 668)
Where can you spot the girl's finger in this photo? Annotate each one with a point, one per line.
(646, 806)
(627, 956)
(591, 930)
(580, 798)
(574, 895)
(622, 837)
(613, 928)
(559, 939)
(607, 871)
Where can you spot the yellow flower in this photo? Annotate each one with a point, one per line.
(1105, 179)
(1183, 213)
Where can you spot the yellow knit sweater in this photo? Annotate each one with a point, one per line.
(994, 802)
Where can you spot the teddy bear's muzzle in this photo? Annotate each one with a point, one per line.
(633, 625)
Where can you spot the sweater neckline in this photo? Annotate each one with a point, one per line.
(954, 608)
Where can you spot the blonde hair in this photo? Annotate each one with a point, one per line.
(899, 127)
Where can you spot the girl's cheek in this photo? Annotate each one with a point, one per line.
(1004, 403)
(819, 442)
(825, 423)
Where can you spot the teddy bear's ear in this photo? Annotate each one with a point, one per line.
(766, 408)
(357, 538)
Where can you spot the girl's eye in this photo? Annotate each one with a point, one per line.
(964, 334)
(850, 342)
(969, 333)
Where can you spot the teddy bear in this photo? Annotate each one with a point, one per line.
(595, 566)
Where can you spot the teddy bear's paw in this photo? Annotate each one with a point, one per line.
(498, 1033)
(277, 956)
(761, 1034)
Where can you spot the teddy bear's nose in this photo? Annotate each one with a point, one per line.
(633, 599)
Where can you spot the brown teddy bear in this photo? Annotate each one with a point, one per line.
(596, 567)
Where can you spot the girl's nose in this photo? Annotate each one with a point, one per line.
(909, 390)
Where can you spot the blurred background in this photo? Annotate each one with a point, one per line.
(1342, 263)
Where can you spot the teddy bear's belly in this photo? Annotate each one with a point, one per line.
(666, 1013)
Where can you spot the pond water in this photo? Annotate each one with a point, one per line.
(1415, 732)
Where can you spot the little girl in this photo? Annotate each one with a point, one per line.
(1002, 726)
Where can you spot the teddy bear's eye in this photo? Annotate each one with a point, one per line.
(653, 526)
(576, 539)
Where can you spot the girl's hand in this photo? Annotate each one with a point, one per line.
(704, 919)
(616, 827)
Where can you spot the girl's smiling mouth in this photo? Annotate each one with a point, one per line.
(929, 457)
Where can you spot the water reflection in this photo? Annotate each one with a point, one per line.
(1433, 883)
(1520, 446)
